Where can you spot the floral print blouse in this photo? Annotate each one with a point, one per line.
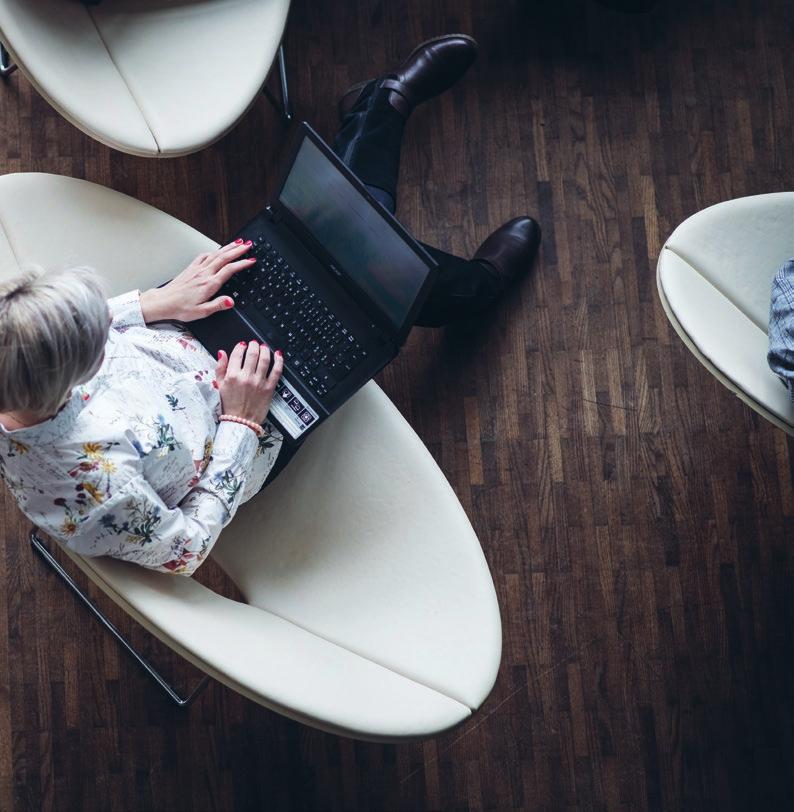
(136, 465)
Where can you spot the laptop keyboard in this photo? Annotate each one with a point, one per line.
(319, 347)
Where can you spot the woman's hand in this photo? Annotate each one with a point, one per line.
(246, 388)
(189, 296)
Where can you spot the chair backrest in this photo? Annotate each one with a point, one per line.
(31, 201)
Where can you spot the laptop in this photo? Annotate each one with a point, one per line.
(336, 287)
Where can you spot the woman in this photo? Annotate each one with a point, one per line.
(121, 436)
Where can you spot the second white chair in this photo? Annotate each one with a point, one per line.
(156, 78)
(715, 277)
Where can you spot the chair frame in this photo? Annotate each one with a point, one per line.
(182, 701)
(283, 106)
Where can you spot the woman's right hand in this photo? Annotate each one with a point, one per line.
(245, 386)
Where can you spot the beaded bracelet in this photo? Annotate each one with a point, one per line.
(255, 427)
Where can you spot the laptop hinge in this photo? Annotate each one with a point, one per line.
(276, 216)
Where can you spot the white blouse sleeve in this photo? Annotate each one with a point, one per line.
(134, 523)
(126, 311)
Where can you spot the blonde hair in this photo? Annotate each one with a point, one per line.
(53, 329)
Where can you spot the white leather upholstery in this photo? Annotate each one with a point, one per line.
(148, 77)
(371, 610)
(715, 276)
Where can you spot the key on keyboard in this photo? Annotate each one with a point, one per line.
(316, 343)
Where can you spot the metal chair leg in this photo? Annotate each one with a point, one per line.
(7, 67)
(283, 106)
(41, 549)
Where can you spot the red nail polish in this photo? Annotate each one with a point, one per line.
(219, 355)
(251, 259)
(229, 301)
(248, 242)
(215, 384)
(243, 343)
(278, 352)
(239, 240)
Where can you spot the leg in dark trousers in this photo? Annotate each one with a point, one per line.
(369, 143)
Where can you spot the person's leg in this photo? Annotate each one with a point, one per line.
(374, 113)
(369, 142)
(463, 288)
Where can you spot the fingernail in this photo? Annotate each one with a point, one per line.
(242, 343)
(219, 355)
(228, 301)
(239, 240)
(248, 242)
(278, 352)
(251, 259)
(215, 384)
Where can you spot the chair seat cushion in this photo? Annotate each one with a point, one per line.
(149, 77)
(715, 275)
(362, 541)
(275, 662)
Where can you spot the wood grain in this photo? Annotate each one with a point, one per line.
(636, 516)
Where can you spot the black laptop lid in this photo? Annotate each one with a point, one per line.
(380, 264)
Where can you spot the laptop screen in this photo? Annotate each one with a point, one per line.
(362, 243)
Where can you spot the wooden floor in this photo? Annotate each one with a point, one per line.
(637, 517)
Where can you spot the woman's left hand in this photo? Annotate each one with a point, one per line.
(192, 294)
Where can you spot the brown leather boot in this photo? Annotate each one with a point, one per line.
(511, 249)
(430, 69)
